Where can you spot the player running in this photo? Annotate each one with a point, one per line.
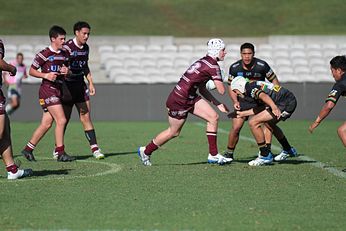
(253, 69)
(338, 69)
(14, 83)
(184, 99)
(53, 62)
(13, 171)
(280, 103)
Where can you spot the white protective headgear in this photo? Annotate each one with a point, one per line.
(215, 45)
(238, 83)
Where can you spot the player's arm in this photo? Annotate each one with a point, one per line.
(92, 89)
(209, 97)
(268, 101)
(7, 67)
(326, 109)
(51, 76)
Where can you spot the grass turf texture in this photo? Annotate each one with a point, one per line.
(180, 191)
(196, 18)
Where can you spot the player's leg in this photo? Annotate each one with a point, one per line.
(173, 130)
(85, 118)
(268, 136)
(287, 149)
(342, 133)
(255, 124)
(233, 136)
(13, 171)
(41, 130)
(58, 115)
(203, 110)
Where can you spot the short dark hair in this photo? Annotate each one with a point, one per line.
(247, 46)
(20, 54)
(55, 31)
(79, 25)
(338, 62)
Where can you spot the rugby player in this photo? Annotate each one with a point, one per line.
(184, 99)
(53, 62)
(13, 171)
(14, 83)
(280, 103)
(253, 69)
(338, 69)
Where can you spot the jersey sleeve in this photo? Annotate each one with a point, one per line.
(337, 90)
(231, 74)
(215, 73)
(39, 60)
(270, 75)
(253, 91)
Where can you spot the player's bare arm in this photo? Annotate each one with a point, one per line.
(267, 100)
(92, 89)
(234, 98)
(219, 87)
(209, 97)
(51, 76)
(326, 109)
(7, 67)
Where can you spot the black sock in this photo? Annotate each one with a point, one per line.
(269, 146)
(91, 136)
(284, 143)
(263, 149)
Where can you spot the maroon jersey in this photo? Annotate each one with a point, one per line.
(198, 74)
(2, 55)
(50, 61)
(79, 57)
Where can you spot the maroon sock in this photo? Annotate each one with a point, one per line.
(212, 140)
(60, 150)
(12, 168)
(30, 147)
(150, 148)
(94, 148)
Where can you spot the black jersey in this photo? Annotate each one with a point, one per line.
(260, 71)
(339, 89)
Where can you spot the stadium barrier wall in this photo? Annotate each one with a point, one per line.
(131, 102)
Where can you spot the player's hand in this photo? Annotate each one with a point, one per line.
(92, 89)
(313, 126)
(14, 71)
(51, 76)
(64, 70)
(236, 106)
(276, 111)
(222, 108)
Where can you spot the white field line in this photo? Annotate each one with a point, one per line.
(314, 162)
(113, 168)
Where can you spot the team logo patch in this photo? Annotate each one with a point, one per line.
(41, 101)
(51, 58)
(332, 93)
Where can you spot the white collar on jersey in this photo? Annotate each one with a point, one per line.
(51, 48)
(75, 43)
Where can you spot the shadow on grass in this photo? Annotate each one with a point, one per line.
(52, 172)
(106, 155)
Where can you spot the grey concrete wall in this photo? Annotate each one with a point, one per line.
(147, 102)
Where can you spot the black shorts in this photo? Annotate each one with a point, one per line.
(287, 106)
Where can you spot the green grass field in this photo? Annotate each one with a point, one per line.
(194, 18)
(180, 191)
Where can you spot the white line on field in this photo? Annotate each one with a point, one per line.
(113, 168)
(312, 161)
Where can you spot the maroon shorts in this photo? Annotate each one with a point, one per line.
(79, 92)
(2, 103)
(179, 107)
(49, 95)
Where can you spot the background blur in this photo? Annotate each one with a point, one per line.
(139, 49)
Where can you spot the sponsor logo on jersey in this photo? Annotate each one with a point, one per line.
(52, 99)
(261, 64)
(240, 74)
(41, 101)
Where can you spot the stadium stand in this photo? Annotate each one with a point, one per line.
(151, 62)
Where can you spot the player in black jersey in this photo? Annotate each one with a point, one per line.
(338, 69)
(253, 69)
(279, 102)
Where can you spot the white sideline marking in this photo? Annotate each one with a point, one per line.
(314, 162)
(114, 168)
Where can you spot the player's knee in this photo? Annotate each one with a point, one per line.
(253, 123)
(61, 122)
(85, 118)
(213, 118)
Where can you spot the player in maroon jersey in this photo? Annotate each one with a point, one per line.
(13, 172)
(184, 99)
(79, 57)
(53, 62)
